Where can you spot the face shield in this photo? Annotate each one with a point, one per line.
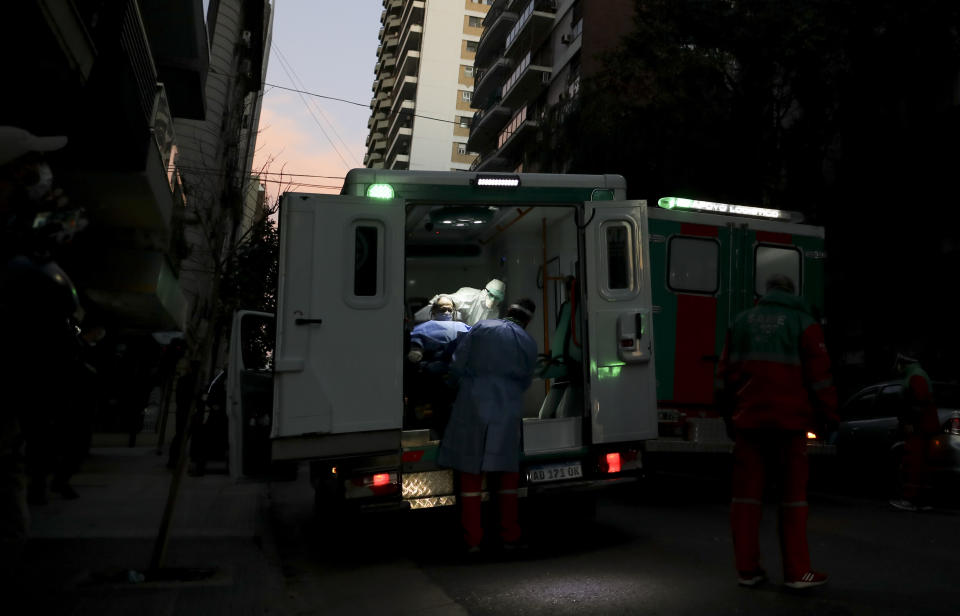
(491, 298)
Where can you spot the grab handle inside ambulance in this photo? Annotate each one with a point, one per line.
(632, 348)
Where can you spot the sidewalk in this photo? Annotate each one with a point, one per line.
(81, 551)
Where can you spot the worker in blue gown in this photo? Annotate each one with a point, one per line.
(431, 391)
(494, 364)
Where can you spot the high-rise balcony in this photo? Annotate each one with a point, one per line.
(526, 83)
(516, 133)
(496, 26)
(393, 7)
(412, 39)
(486, 125)
(393, 25)
(490, 81)
(181, 53)
(532, 28)
(412, 14)
(409, 63)
(406, 88)
(401, 117)
(399, 143)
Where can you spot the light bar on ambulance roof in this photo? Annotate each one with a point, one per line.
(497, 181)
(669, 203)
(380, 191)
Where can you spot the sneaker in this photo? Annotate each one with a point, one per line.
(807, 580)
(903, 504)
(751, 578)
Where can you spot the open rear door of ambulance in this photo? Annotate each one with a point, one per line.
(338, 368)
(622, 385)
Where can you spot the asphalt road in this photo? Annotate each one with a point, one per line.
(659, 547)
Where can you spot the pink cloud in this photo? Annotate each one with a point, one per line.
(292, 143)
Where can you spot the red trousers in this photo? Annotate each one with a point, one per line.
(783, 454)
(471, 511)
(916, 486)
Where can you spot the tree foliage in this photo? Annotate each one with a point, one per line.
(249, 278)
(778, 103)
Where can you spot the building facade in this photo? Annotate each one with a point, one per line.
(529, 63)
(423, 87)
(158, 103)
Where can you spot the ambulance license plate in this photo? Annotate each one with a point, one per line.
(554, 472)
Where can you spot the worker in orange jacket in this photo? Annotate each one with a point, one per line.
(774, 386)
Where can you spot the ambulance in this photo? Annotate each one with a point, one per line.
(355, 269)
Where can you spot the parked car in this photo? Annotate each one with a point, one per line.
(869, 442)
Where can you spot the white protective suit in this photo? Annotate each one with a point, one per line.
(473, 305)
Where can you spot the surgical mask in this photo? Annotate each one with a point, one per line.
(443, 316)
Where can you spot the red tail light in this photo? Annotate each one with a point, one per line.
(952, 426)
(381, 479)
(612, 462)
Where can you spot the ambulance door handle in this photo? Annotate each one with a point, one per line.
(308, 321)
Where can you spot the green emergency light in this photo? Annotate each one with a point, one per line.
(380, 191)
(669, 203)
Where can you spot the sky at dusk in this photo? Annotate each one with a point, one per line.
(326, 47)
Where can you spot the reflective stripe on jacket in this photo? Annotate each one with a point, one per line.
(776, 367)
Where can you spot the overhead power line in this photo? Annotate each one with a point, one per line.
(416, 115)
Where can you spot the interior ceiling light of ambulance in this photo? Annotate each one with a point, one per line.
(454, 217)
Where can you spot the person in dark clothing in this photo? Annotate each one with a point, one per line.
(495, 363)
(918, 423)
(775, 385)
(186, 385)
(37, 302)
(75, 428)
(208, 434)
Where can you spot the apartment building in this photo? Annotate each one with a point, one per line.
(423, 88)
(528, 66)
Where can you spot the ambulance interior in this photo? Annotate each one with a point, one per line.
(450, 247)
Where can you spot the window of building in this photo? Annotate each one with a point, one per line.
(466, 95)
(464, 121)
(475, 22)
(693, 265)
(461, 148)
(770, 260)
(468, 70)
(472, 46)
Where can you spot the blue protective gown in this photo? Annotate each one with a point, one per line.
(495, 363)
(437, 339)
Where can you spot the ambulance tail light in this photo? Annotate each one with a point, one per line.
(373, 484)
(613, 462)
